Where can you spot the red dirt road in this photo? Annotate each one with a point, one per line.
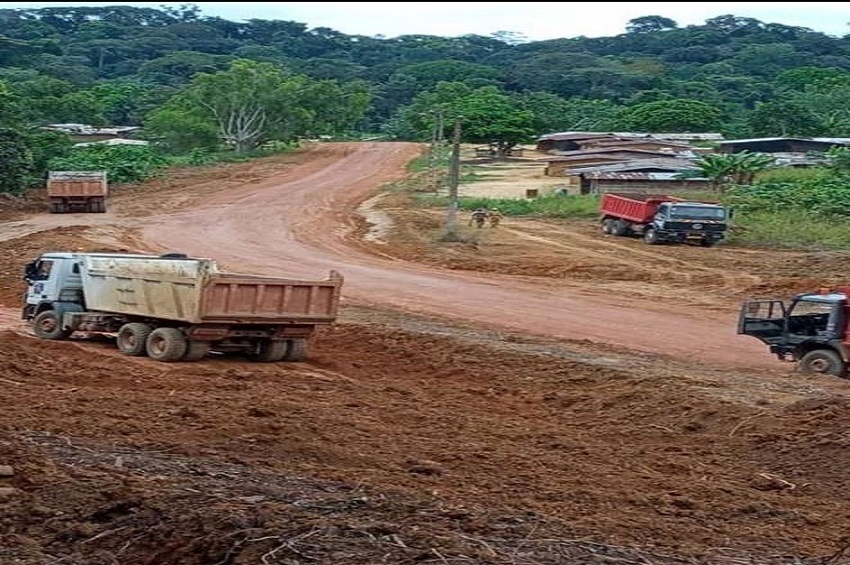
(303, 228)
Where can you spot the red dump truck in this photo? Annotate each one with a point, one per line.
(810, 329)
(176, 308)
(76, 191)
(663, 218)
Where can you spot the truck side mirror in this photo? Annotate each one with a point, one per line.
(31, 271)
(730, 213)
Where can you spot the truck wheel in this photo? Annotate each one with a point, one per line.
(608, 226)
(707, 243)
(650, 236)
(619, 227)
(167, 345)
(270, 351)
(132, 338)
(196, 350)
(822, 362)
(297, 350)
(47, 325)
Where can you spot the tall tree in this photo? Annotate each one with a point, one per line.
(677, 115)
(251, 103)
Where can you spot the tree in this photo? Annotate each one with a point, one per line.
(11, 107)
(16, 161)
(677, 115)
(489, 115)
(732, 168)
(650, 24)
(251, 103)
(553, 113)
(784, 118)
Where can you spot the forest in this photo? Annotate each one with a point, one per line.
(201, 86)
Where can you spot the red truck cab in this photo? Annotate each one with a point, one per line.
(810, 329)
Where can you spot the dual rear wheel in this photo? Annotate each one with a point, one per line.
(137, 339)
(169, 345)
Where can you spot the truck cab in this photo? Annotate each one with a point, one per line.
(683, 221)
(810, 329)
(52, 278)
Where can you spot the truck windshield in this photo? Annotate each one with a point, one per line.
(697, 213)
(807, 307)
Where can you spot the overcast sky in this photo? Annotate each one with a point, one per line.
(534, 20)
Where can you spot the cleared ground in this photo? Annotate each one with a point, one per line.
(539, 394)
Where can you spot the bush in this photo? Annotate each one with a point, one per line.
(122, 163)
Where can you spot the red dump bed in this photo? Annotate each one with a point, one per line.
(634, 207)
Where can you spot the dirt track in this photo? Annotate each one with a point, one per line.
(544, 389)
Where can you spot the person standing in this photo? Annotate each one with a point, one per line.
(479, 217)
(495, 217)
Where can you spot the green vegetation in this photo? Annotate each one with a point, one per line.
(205, 89)
(804, 209)
(122, 163)
(568, 206)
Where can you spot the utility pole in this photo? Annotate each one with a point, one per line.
(454, 180)
(435, 153)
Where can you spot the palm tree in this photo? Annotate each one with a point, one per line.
(723, 169)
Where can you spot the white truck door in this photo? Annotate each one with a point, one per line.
(43, 278)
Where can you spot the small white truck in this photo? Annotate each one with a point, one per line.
(175, 308)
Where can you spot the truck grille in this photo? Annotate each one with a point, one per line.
(694, 226)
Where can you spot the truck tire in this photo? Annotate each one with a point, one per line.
(707, 243)
(48, 325)
(650, 236)
(296, 350)
(823, 362)
(619, 227)
(167, 345)
(196, 350)
(608, 226)
(132, 339)
(270, 351)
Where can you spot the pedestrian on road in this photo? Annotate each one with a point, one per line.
(495, 217)
(479, 217)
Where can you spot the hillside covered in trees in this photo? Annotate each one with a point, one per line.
(200, 84)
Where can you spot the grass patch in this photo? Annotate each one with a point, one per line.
(567, 206)
(791, 229)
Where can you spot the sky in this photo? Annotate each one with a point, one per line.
(532, 21)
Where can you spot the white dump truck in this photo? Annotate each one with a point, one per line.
(176, 308)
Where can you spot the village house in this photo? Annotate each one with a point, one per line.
(562, 165)
(655, 176)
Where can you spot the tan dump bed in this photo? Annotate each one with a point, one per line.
(194, 291)
(77, 183)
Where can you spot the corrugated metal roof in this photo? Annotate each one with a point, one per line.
(670, 163)
(602, 175)
(602, 152)
(841, 140)
(564, 135)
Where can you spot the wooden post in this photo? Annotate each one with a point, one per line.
(454, 180)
